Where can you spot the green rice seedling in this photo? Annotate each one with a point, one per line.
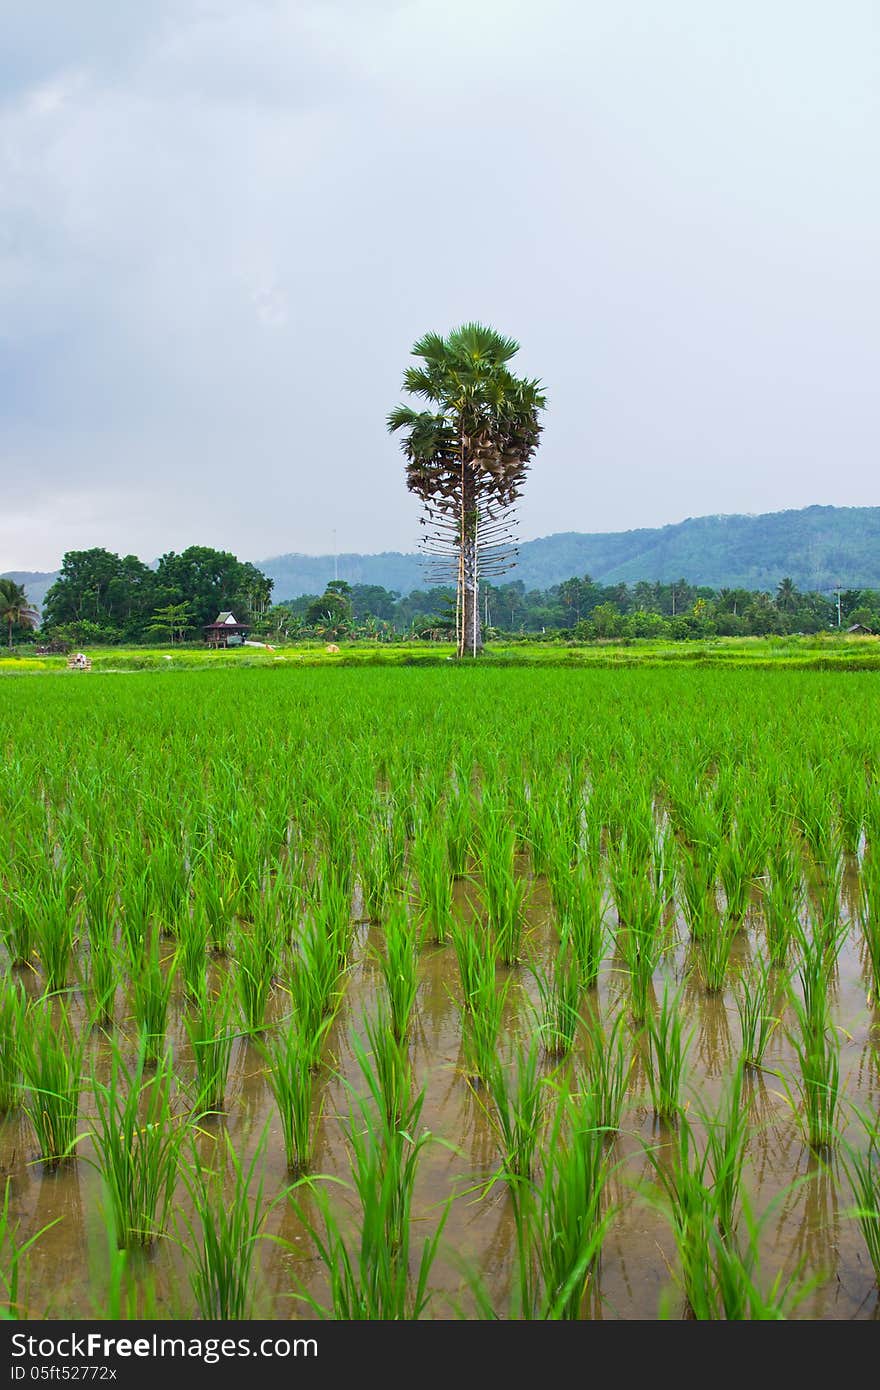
(695, 879)
(399, 967)
(668, 1047)
(482, 1013)
(386, 1068)
(257, 961)
(727, 1137)
(151, 995)
(817, 1047)
(734, 870)
(12, 1014)
(434, 880)
(472, 947)
(515, 1108)
(50, 906)
(756, 1020)
(192, 954)
(369, 1271)
(458, 825)
(581, 917)
(137, 1141)
(217, 898)
(716, 945)
(51, 1064)
(504, 891)
(210, 1027)
(566, 1218)
(289, 1055)
(861, 1164)
(719, 1275)
(379, 867)
(170, 881)
(332, 909)
(219, 1240)
(559, 992)
(102, 968)
(783, 899)
(607, 1069)
(15, 1262)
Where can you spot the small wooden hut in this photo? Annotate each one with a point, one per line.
(226, 631)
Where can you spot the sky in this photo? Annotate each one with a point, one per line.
(224, 225)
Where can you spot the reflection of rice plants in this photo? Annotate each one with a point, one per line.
(862, 1167)
(51, 1064)
(14, 1262)
(137, 1139)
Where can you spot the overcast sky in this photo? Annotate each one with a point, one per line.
(224, 224)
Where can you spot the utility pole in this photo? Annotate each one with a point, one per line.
(838, 603)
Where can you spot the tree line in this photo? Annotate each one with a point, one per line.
(101, 597)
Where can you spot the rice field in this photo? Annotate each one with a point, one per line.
(456, 992)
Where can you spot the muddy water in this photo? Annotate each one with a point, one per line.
(806, 1232)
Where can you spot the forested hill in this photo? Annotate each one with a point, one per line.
(817, 547)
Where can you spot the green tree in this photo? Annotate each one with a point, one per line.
(211, 582)
(467, 456)
(15, 611)
(174, 619)
(115, 593)
(786, 595)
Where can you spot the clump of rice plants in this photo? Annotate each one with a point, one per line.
(51, 1063)
(151, 995)
(256, 963)
(869, 919)
(515, 1105)
(369, 1271)
(399, 967)
(13, 1006)
(289, 1054)
(559, 991)
(756, 1018)
(211, 1028)
(50, 906)
(220, 1239)
(434, 885)
(783, 898)
(137, 1141)
(815, 1097)
(481, 1009)
(192, 955)
(668, 1047)
(581, 917)
(504, 890)
(716, 945)
(607, 1069)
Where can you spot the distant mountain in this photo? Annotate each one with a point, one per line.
(818, 547)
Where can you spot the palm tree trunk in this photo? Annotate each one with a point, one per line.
(470, 637)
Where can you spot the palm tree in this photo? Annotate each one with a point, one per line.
(467, 457)
(786, 595)
(14, 608)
